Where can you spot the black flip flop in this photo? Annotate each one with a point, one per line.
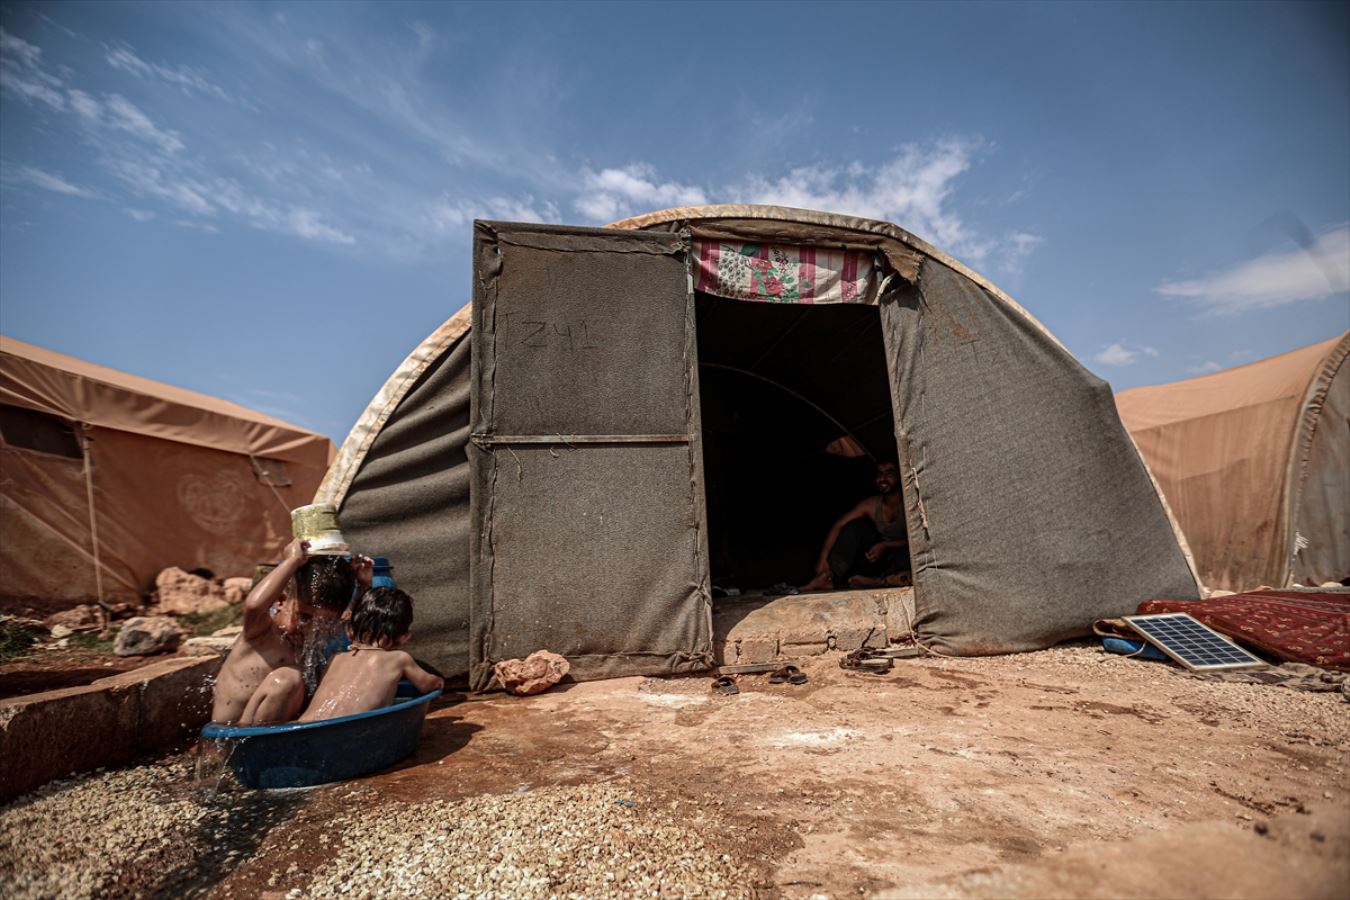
(788, 675)
(725, 685)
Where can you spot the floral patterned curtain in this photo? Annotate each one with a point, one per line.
(781, 273)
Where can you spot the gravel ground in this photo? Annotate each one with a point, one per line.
(154, 831)
(136, 832)
(76, 838)
(557, 842)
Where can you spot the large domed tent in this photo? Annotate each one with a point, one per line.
(626, 415)
(1255, 462)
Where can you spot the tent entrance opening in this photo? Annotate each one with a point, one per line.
(796, 413)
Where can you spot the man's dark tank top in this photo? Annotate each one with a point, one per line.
(890, 529)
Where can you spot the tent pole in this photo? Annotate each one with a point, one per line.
(782, 387)
(253, 462)
(85, 444)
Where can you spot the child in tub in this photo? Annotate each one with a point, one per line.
(366, 676)
(260, 682)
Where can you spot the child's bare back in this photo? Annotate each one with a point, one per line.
(363, 679)
(366, 677)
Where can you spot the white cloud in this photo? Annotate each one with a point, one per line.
(913, 189)
(146, 180)
(446, 214)
(1015, 248)
(308, 224)
(1118, 354)
(26, 89)
(1204, 368)
(1274, 279)
(611, 194)
(16, 48)
(123, 115)
(151, 163)
(22, 75)
(85, 106)
(47, 181)
(183, 77)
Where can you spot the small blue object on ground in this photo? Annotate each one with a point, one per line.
(1132, 648)
(304, 754)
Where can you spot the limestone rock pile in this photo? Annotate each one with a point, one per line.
(180, 593)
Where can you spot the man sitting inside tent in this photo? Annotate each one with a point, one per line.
(869, 545)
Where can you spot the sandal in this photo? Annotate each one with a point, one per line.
(788, 675)
(725, 685)
(866, 660)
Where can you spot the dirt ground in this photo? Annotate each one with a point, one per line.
(1066, 773)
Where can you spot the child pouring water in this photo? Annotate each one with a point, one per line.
(366, 676)
(261, 682)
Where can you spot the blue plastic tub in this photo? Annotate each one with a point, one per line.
(303, 754)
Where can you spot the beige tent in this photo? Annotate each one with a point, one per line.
(108, 478)
(1255, 463)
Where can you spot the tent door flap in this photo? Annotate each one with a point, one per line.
(587, 491)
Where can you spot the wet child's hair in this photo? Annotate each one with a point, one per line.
(326, 582)
(381, 614)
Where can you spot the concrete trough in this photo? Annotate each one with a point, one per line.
(106, 723)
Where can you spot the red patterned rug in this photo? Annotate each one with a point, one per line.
(1300, 626)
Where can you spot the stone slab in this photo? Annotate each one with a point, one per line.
(807, 624)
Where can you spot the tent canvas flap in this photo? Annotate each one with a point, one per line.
(1030, 513)
(587, 474)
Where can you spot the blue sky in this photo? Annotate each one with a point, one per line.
(232, 197)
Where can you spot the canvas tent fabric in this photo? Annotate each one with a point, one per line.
(149, 476)
(1255, 463)
(1030, 512)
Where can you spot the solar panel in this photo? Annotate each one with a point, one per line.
(1192, 644)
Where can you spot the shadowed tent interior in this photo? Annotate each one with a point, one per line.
(625, 415)
(780, 385)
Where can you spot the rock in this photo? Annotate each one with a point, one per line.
(146, 636)
(236, 589)
(62, 631)
(229, 631)
(84, 617)
(534, 674)
(179, 593)
(208, 646)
